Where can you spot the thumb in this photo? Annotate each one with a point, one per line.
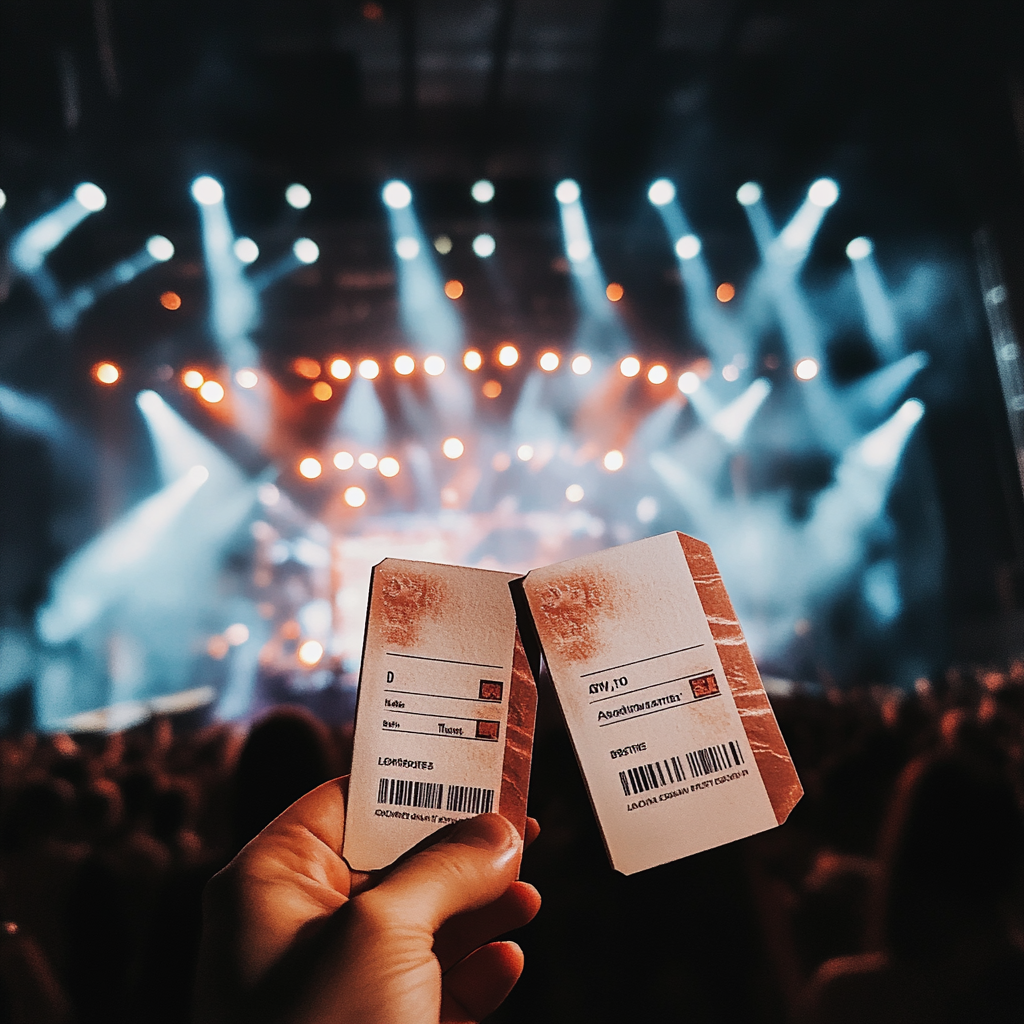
(467, 869)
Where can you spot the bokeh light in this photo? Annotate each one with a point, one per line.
(407, 248)
(689, 382)
(246, 250)
(397, 195)
(549, 361)
(247, 378)
(106, 373)
(748, 193)
(207, 191)
(306, 367)
(306, 250)
(630, 366)
(91, 196)
(574, 492)
(443, 244)
(236, 634)
(322, 391)
(614, 460)
(687, 247)
(211, 391)
(355, 497)
(340, 369)
(824, 193)
(491, 389)
(310, 468)
(170, 300)
(192, 379)
(484, 245)
(453, 289)
(297, 196)
(614, 292)
(661, 192)
(310, 653)
(508, 355)
(859, 248)
(433, 366)
(567, 191)
(369, 368)
(453, 447)
(344, 460)
(806, 369)
(581, 365)
(404, 365)
(472, 360)
(160, 248)
(725, 292)
(368, 460)
(657, 374)
(482, 191)
(388, 466)
(524, 452)
(730, 372)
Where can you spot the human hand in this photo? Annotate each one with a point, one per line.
(291, 934)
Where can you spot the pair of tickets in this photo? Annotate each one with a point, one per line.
(671, 726)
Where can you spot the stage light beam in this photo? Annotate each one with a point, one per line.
(433, 366)
(396, 195)
(661, 192)
(340, 369)
(246, 250)
(160, 248)
(207, 191)
(369, 369)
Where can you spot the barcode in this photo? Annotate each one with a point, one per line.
(715, 758)
(470, 799)
(645, 777)
(406, 793)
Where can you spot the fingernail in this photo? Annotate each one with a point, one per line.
(489, 832)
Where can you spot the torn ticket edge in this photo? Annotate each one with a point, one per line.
(445, 711)
(642, 601)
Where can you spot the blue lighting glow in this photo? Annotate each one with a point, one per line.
(661, 192)
(207, 191)
(397, 195)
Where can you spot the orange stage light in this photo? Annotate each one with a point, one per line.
(404, 365)
(341, 369)
(106, 373)
(725, 292)
(453, 289)
(310, 468)
(192, 379)
(614, 292)
(322, 391)
(306, 367)
(369, 368)
(170, 300)
(211, 392)
(491, 389)
(472, 360)
(508, 355)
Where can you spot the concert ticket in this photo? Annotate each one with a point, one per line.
(445, 712)
(671, 726)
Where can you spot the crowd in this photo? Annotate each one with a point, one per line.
(894, 891)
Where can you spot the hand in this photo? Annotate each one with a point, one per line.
(291, 934)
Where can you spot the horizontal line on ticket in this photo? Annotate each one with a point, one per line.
(639, 661)
(441, 735)
(654, 711)
(446, 661)
(444, 696)
(430, 714)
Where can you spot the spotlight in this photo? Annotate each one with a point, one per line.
(306, 367)
(388, 466)
(91, 196)
(581, 365)
(397, 195)
(405, 365)
(630, 366)
(433, 365)
(567, 191)
(860, 248)
(748, 193)
(491, 389)
(453, 448)
(482, 191)
(824, 192)
(343, 460)
(614, 461)
(247, 379)
(368, 460)
(236, 634)
(524, 452)
(306, 250)
(407, 247)
(192, 379)
(483, 245)
(106, 373)
(730, 372)
(322, 391)
(369, 369)
(212, 392)
(549, 361)
(806, 369)
(310, 468)
(170, 300)
(247, 250)
(657, 374)
(661, 192)
(207, 191)
(579, 249)
(508, 355)
(614, 292)
(443, 244)
(687, 247)
(160, 248)
(472, 360)
(298, 197)
(340, 369)
(689, 383)
(310, 653)
(574, 492)
(725, 292)
(453, 289)
(355, 497)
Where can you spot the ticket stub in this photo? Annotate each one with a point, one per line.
(671, 726)
(445, 711)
